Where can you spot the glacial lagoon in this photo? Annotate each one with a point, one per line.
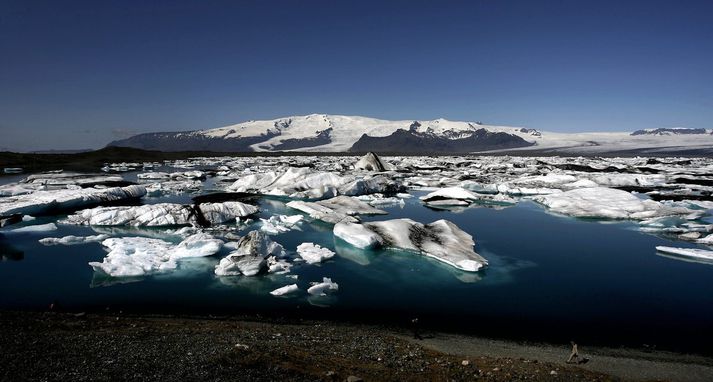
(550, 277)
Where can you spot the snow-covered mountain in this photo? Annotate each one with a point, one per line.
(339, 133)
(670, 131)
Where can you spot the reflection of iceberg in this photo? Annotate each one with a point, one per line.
(691, 255)
(10, 253)
(100, 279)
(255, 285)
(322, 301)
(351, 253)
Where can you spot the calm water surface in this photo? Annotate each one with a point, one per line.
(550, 278)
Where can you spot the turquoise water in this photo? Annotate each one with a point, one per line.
(550, 278)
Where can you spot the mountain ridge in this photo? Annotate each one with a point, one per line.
(341, 133)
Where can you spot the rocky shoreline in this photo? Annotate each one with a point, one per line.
(113, 346)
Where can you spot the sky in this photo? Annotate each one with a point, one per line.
(78, 74)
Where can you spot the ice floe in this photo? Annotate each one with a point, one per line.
(335, 209)
(314, 253)
(73, 240)
(287, 289)
(609, 203)
(45, 202)
(250, 256)
(322, 288)
(697, 254)
(38, 228)
(139, 256)
(162, 214)
(281, 223)
(441, 240)
(371, 162)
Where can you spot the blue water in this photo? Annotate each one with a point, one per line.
(550, 278)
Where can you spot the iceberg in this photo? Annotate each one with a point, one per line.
(334, 210)
(305, 183)
(197, 245)
(371, 162)
(699, 254)
(281, 223)
(46, 202)
(287, 289)
(441, 240)
(72, 240)
(322, 288)
(162, 214)
(609, 203)
(35, 228)
(313, 253)
(139, 256)
(250, 256)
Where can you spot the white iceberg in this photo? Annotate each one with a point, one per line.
(287, 289)
(139, 256)
(42, 202)
(197, 245)
(334, 210)
(441, 240)
(602, 202)
(280, 223)
(321, 288)
(314, 253)
(250, 257)
(162, 214)
(73, 240)
(305, 183)
(35, 228)
(700, 254)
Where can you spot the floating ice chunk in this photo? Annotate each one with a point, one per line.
(72, 240)
(153, 175)
(314, 253)
(278, 266)
(371, 162)
(280, 223)
(370, 185)
(321, 288)
(173, 187)
(582, 183)
(551, 179)
(15, 189)
(139, 256)
(334, 210)
(441, 240)
(218, 213)
(287, 289)
(41, 202)
(458, 196)
(35, 228)
(602, 202)
(457, 193)
(162, 214)
(250, 257)
(357, 235)
(623, 180)
(687, 252)
(135, 256)
(706, 240)
(197, 245)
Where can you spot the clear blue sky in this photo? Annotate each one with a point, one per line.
(77, 74)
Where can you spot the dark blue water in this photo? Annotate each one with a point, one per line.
(550, 278)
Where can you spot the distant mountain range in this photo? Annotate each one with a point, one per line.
(338, 133)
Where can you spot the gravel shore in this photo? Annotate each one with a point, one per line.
(78, 347)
